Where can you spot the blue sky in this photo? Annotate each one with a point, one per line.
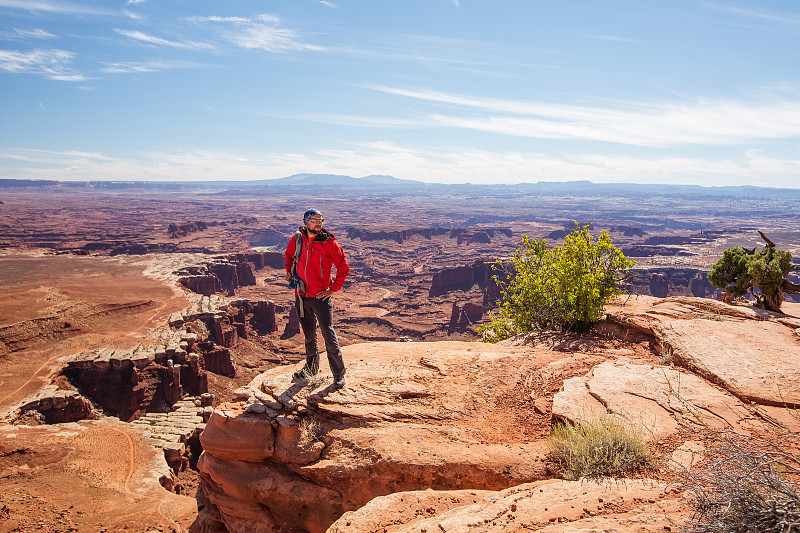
(448, 91)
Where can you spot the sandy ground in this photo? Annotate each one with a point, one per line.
(92, 475)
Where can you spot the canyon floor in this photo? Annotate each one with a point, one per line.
(86, 270)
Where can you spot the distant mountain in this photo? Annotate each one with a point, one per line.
(382, 184)
(338, 180)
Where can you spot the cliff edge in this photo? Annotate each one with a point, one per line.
(450, 436)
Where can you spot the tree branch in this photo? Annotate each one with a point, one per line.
(770, 244)
(792, 288)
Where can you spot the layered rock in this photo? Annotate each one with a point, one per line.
(461, 278)
(130, 382)
(177, 433)
(182, 230)
(469, 421)
(754, 355)
(463, 316)
(399, 235)
(659, 285)
(292, 457)
(56, 406)
(228, 273)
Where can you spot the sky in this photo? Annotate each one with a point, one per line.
(445, 91)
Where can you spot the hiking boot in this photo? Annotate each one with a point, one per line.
(303, 374)
(338, 383)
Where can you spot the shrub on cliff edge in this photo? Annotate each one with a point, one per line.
(565, 287)
(762, 274)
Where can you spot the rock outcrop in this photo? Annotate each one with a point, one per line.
(469, 421)
(228, 273)
(752, 354)
(461, 278)
(290, 457)
(463, 316)
(131, 382)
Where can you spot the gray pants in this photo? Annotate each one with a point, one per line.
(315, 310)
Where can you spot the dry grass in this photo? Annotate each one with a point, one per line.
(750, 486)
(603, 446)
(310, 430)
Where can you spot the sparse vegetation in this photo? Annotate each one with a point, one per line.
(601, 446)
(565, 287)
(762, 274)
(309, 430)
(749, 487)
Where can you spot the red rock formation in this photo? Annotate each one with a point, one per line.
(175, 230)
(461, 278)
(659, 285)
(202, 284)
(700, 286)
(292, 325)
(223, 330)
(218, 361)
(461, 317)
(266, 468)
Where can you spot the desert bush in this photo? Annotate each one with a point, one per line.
(749, 487)
(310, 430)
(601, 446)
(565, 287)
(762, 274)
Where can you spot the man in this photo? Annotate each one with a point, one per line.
(308, 270)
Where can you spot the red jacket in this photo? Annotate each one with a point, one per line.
(316, 262)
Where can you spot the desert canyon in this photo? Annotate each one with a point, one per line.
(147, 339)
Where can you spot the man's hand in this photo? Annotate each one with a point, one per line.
(324, 295)
(288, 277)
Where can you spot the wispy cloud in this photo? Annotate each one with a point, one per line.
(329, 4)
(151, 39)
(129, 2)
(131, 15)
(52, 64)
(704, 122)
(263, 32)
(16, 34)
(136, 67)
(773, 16)
(55, 7)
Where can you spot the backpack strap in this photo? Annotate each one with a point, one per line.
(298, 245)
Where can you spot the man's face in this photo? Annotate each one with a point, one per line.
(314, 224)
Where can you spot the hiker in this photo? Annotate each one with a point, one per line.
(310, 255)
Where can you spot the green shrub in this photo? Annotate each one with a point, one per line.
(564, 287)
(739, 271)
(604, 446)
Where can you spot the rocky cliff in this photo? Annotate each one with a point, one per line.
(450, 436)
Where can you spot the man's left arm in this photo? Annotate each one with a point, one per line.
(342, 270)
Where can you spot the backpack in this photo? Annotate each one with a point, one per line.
(296, 282)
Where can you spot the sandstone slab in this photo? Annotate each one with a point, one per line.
(552, 506)
(658, 399)
(752, 353)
